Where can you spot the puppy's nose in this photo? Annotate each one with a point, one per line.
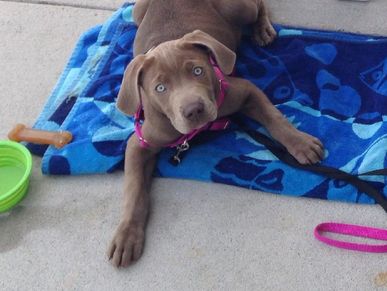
(193, 110)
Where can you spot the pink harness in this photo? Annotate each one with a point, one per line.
(182, 143)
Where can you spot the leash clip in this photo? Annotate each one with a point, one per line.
(176, 159)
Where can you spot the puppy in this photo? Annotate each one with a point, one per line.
(178, 83)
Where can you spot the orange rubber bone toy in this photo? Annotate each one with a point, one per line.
(56, 138)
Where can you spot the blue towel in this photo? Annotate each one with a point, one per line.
(329, 84)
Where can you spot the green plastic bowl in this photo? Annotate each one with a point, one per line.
(15, 171)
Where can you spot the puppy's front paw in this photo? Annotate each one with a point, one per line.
(264, 32)
(127, 244)
(306, 149)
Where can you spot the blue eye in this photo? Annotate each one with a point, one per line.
(197, 71)
(160, 88)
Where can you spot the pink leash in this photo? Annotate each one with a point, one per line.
(352, 230)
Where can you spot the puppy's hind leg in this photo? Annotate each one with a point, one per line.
(263, 31)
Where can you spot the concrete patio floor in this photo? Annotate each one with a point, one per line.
(200, 236)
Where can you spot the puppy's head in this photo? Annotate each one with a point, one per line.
(177, 80)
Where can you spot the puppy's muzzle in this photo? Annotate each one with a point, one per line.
(193, 111)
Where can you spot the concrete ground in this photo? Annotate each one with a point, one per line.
(200, 236)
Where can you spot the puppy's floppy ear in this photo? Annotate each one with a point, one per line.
(223, 55)
(129, 96)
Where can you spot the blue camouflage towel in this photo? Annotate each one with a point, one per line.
(329, 84)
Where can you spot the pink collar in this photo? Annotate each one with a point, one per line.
(218, 124)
